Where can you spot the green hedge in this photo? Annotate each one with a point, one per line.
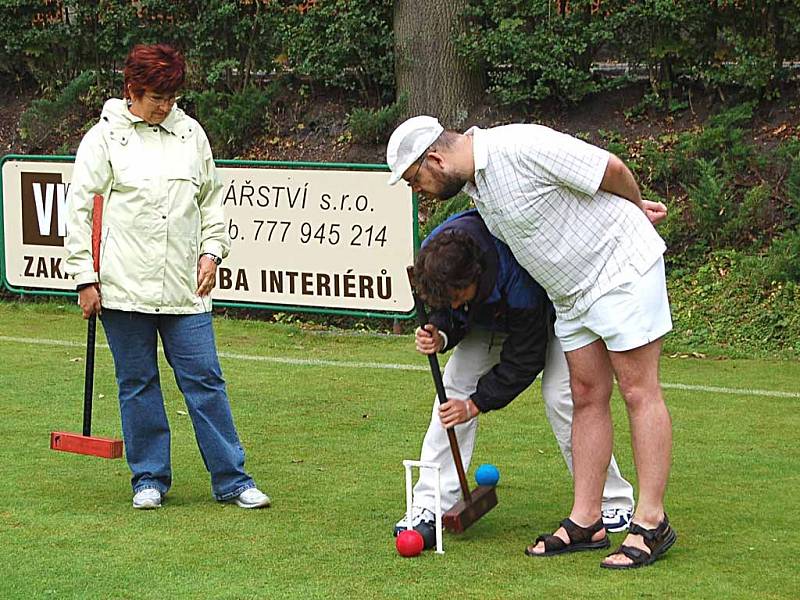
(346, 44)
(230, 118)
(722, 190)
(230, 43)
(545, 49)
(532, 51)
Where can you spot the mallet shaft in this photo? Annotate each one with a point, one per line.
(88, 380)
(91, 330)
(433, 360)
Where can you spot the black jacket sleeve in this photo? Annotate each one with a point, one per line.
(521, 358)
(452, 323)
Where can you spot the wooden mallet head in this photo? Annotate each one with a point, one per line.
(466, 512)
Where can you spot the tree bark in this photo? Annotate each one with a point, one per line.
(429, 72)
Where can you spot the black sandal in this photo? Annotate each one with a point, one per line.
(658, 540)
(580, 538)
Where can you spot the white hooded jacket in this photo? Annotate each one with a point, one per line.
(162, 210)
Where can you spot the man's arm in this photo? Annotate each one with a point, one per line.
(443, 332)
(521, 359)
(619, 180)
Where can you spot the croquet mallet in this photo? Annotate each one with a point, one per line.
(86, 443)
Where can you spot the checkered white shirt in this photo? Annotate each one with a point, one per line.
(538, 191)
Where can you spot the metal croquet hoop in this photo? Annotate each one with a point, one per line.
(423, 464)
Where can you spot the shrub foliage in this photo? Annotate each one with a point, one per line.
(532, 51)
(548, 48)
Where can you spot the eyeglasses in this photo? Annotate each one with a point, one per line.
(413, 181)
(161, 100)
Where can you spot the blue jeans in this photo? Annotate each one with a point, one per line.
(190, 349)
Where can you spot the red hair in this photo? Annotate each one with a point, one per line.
(157, 67)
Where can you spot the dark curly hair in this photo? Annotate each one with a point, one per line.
(451, 260)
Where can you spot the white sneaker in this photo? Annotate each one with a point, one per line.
(616, 519)
(251, 498)
(419, 515)
(147, 498)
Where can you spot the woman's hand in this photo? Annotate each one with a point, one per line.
(428, 339)
(89, 300)
(206, 275)
(456, 411)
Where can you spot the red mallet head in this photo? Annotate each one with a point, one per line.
(409, 543)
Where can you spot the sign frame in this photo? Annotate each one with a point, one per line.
(223, 303)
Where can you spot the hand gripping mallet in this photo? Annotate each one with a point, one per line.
(483, 498)
(85, 443)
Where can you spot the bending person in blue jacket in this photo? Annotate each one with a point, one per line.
(499, 323)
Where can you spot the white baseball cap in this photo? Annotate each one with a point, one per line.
(411, 138)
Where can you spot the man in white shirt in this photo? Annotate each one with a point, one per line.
(574, 218)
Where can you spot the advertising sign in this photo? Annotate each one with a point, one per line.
(327, 237)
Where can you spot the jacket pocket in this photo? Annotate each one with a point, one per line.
(127, 164)
(116, 271)
(180, 271)
(184, 190)
(185, 181)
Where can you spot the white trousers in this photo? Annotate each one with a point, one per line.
(475, 355)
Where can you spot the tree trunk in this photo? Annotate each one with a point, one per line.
(428, 69)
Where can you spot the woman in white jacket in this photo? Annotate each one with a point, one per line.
(163, 235)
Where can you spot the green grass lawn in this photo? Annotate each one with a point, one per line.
(325, 436)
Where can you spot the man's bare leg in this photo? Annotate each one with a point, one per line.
(591, 380)
(651, 435)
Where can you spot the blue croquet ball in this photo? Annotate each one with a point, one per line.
(487, 475)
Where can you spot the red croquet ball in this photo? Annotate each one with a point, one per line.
(409, 543)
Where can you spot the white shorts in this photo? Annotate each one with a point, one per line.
(627, 317)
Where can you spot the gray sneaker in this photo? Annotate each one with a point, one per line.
(147, 498)
(616, 519)
(424, 522)
(418, 515)
(251, 498)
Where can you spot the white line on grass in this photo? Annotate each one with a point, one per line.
(723, 390)
(308, 362)
(313, 362)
